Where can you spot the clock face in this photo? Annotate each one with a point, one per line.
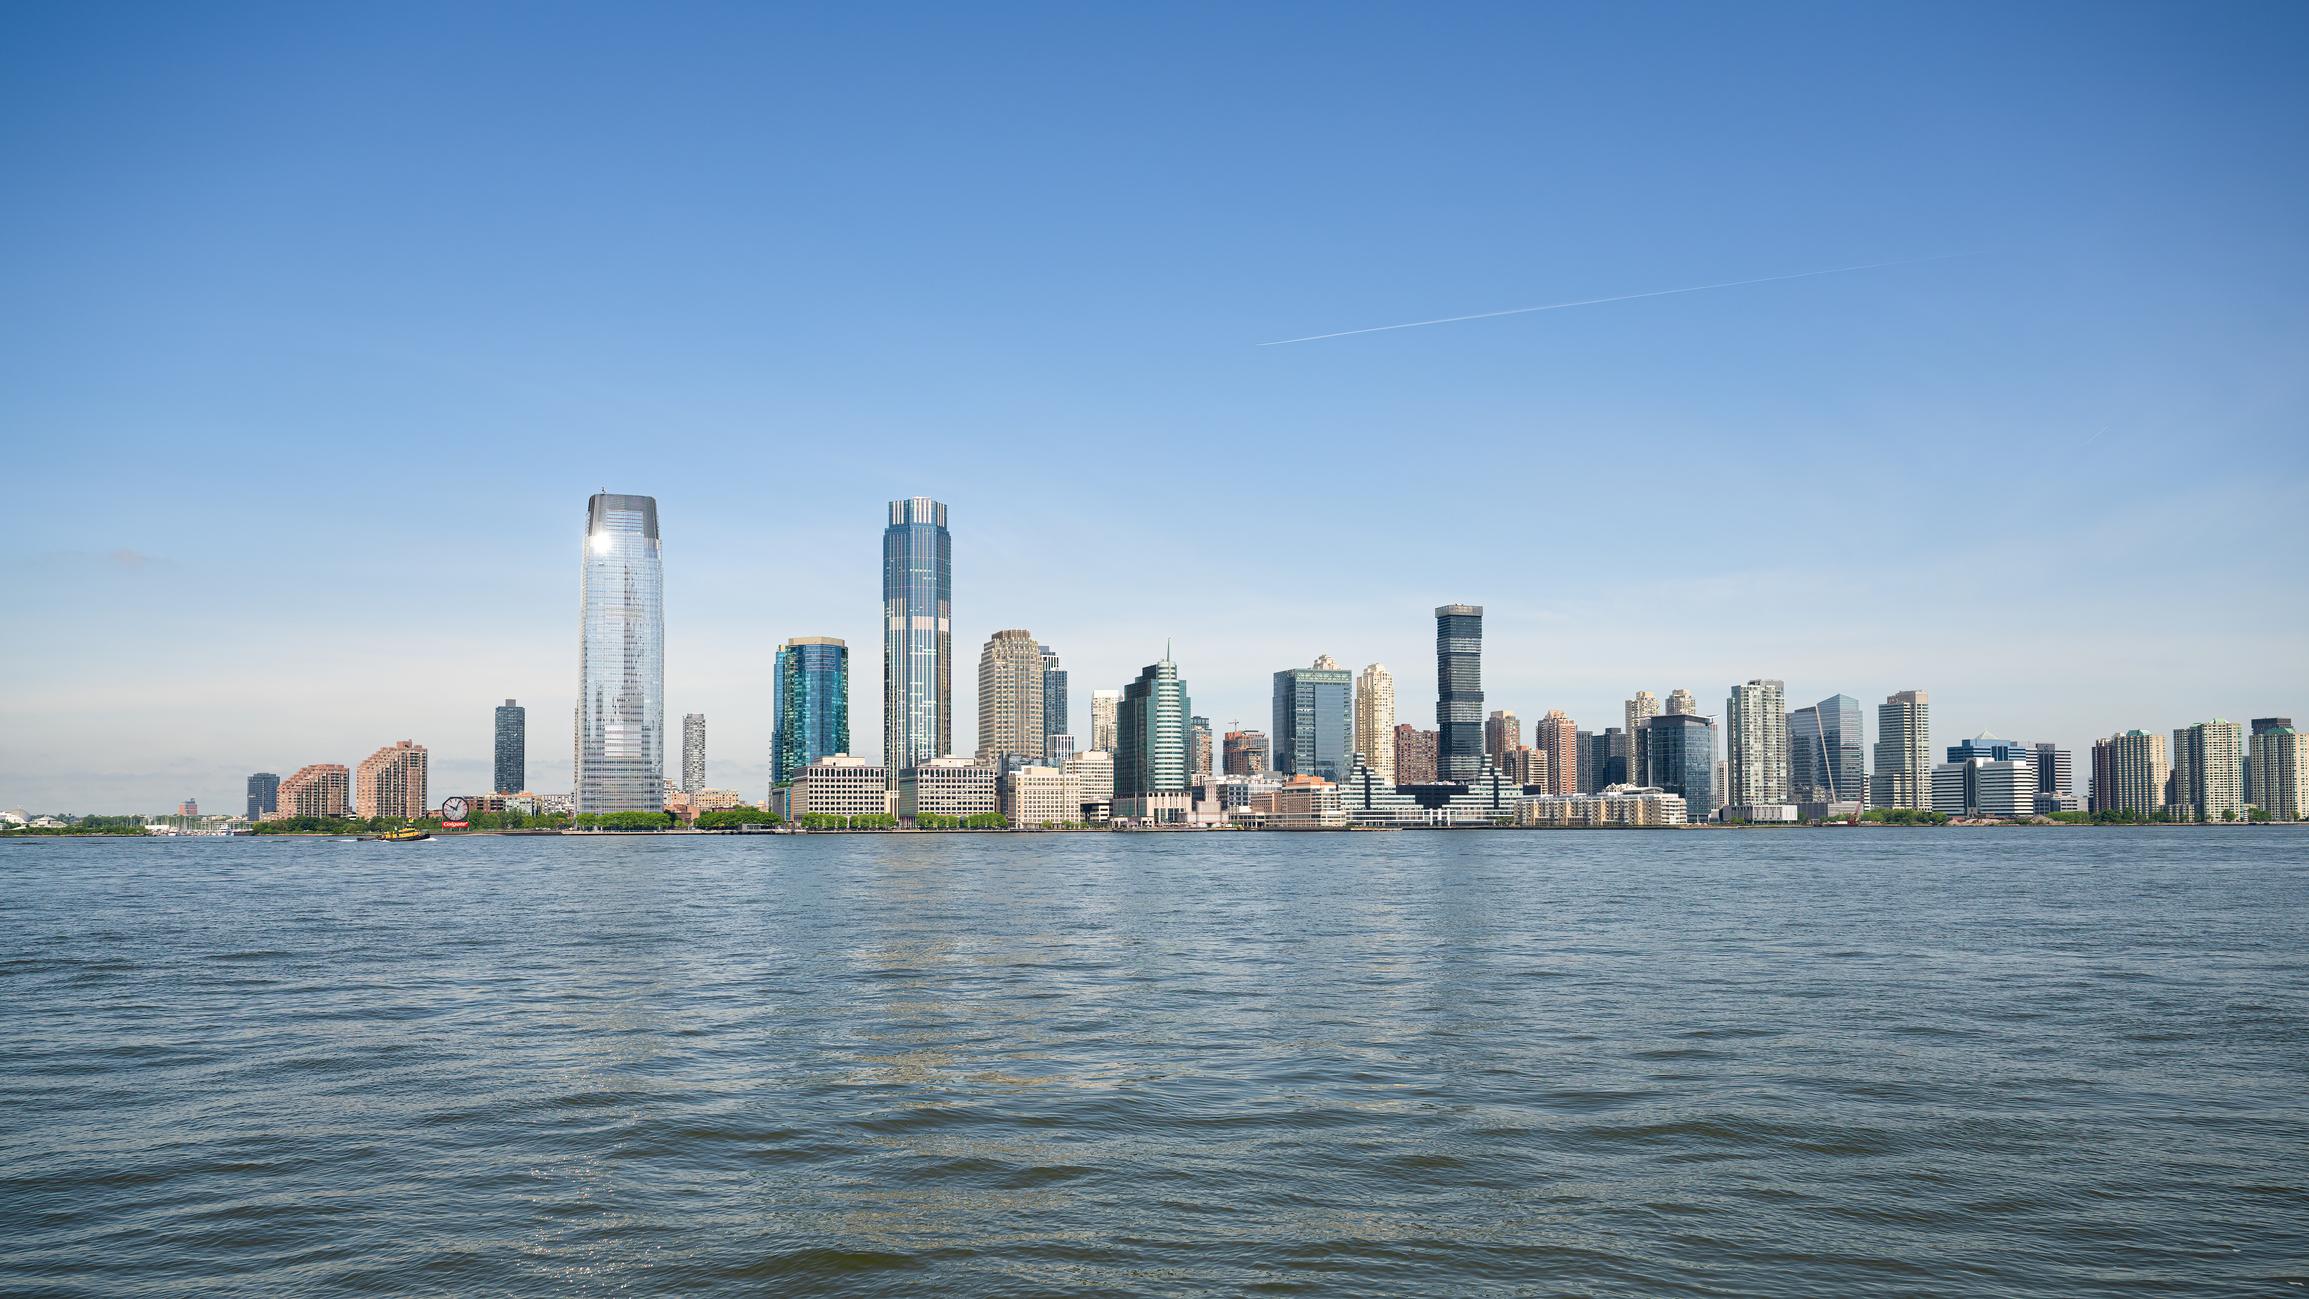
(453, 809)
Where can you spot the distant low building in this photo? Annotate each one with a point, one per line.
(839, 784)
(391, 782)
(1295, 803)
(1371, 799)
(1092, 772)
(1617, 807)
(1036, 795)
(1981, 787)
(318, 789)
(952, 786)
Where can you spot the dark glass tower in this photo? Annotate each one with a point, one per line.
(1459, 691)
(1824, 753)
(813, 703)
(1680, 758)
(264, 794)
(1151, 733)
(917, 635)
(1053, 702)
(512, 748)
(1314, 728)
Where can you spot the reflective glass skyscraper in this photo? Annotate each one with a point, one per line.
(1459, 691)
(512, 766)
(917, 635)
(1151, 733)
(1314, 720)
(1825, 763)
(813, 704)
(1053, 702)
(621, 659)
(1680, 758)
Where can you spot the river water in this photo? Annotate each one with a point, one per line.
(1831, 1062)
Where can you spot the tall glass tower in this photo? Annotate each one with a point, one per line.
(512, 748)
(1314, 720)
(813, 691)
(1459, 691)
(1151, 733)
(917, 635)
(1053, 702)
(621, 659)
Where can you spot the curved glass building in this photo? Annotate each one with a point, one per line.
(621, 659)
(813, 691)
(917, 635)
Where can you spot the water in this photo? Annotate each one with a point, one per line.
(1830, 1062)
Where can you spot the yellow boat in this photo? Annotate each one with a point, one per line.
(405, 834)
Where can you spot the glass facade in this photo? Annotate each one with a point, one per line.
(1054, 710)
(1680, 758)
(1459, 691)
(917, 635)
(512, 767)
(813, 705)
(621, 659)
(1824, 754)
(1314, 722)
(1151, 733)
(264, 793)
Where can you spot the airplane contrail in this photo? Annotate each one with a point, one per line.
(1623, 297)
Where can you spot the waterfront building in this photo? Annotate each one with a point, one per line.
(693, 752)
(2209, 770)
(1369, 798)
(2280, 776)
(1010, 717)
(1314, 711)
(1502, 735)
(1150, 763)
(812, 703)
(1093, 775)
(1375, 716)
(620, 748)
(1294, 803)
(1054, 709)
(1644, 707)
(2130, 773)
(188, 808)
(1824, 752)
(1984, 786)
(1557, 736)
(1680, 754)
(1903, 775)
(1414, 755)
(1527, 767)
(1603, 761)
(1459, 691)
(510, 770)
(1756, 743)
(917, 634)
(948, 787)
(1620, 807)
(839, 784)
(1246, 754)
(1037, 795)
(264, 794)
(1989, 745)
(391, 782)
(2256, 727)
(1198, 750)
(315, 789)
(1681, 703)
(2054, 772)
(1104, 705)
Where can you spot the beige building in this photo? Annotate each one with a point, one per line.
(1681, 703)
(1010, 696)
(2209, 771)
(2130, 773)
(1557, 736)
(1502, 735)
(1039, 796)
(1297, 803)
(1104, 704)
(1528, 767)
(1619, 807)
(317, 789)
(1756, 744)
(839, 784)
(947, 787)
(2280, 777)
(1093, 776)
(1903, 775)
(391, 782)
(1375, 716)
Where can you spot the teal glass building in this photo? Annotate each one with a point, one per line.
(812, 702)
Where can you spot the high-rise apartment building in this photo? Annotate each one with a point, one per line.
(1644, 707)
(391, 782)
(1375, 717)
(316, 789)
(2209, 770)
(2257, 726)
(264, 794)
(812, 702)
(1010, 721)
(1680, 755)
(1903, 776)
(1314, 712)
(1054, 708)
(1104, 705)
(1198, 750)
(1459, 691)
(1756, 743)
(510, 773)
(1414, 755)
(693, 752)
(1527, 767)
(1557, 736)
(620, 740)
(917, 635)
(1246, 753)
(1681, 703)
(2130, 772)
(1603, 760)
(1502, 735)
(1824, 753)
(1151, 735)
(2280, 776)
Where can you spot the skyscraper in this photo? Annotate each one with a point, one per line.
(1246, 753)
(316, 789)
(1459, 691)
(1010, 721)
(2280, 769)
(391, 782)
(512, 767)
(1314, 720)
(620, 750)
(1054, 703)
(1557, 736)
(1824, 754)
(1375, 718)
(1414, 755)
(1644, 707)
(2209, 770)
(1681, 703)
(1151, 735)
(2130, 772)
(813, 704)
(693, 752)
(1103, 707)
(1680, 754)
(1756, 743)
(264, 794)
(1198, 750)
(1903, 776)
(917, 635)
(2054, 770)
(1502, 735)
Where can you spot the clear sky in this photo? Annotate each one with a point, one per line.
(319, 322)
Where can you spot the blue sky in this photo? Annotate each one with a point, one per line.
(318, 324)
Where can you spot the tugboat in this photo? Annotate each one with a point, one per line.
(402, 834)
